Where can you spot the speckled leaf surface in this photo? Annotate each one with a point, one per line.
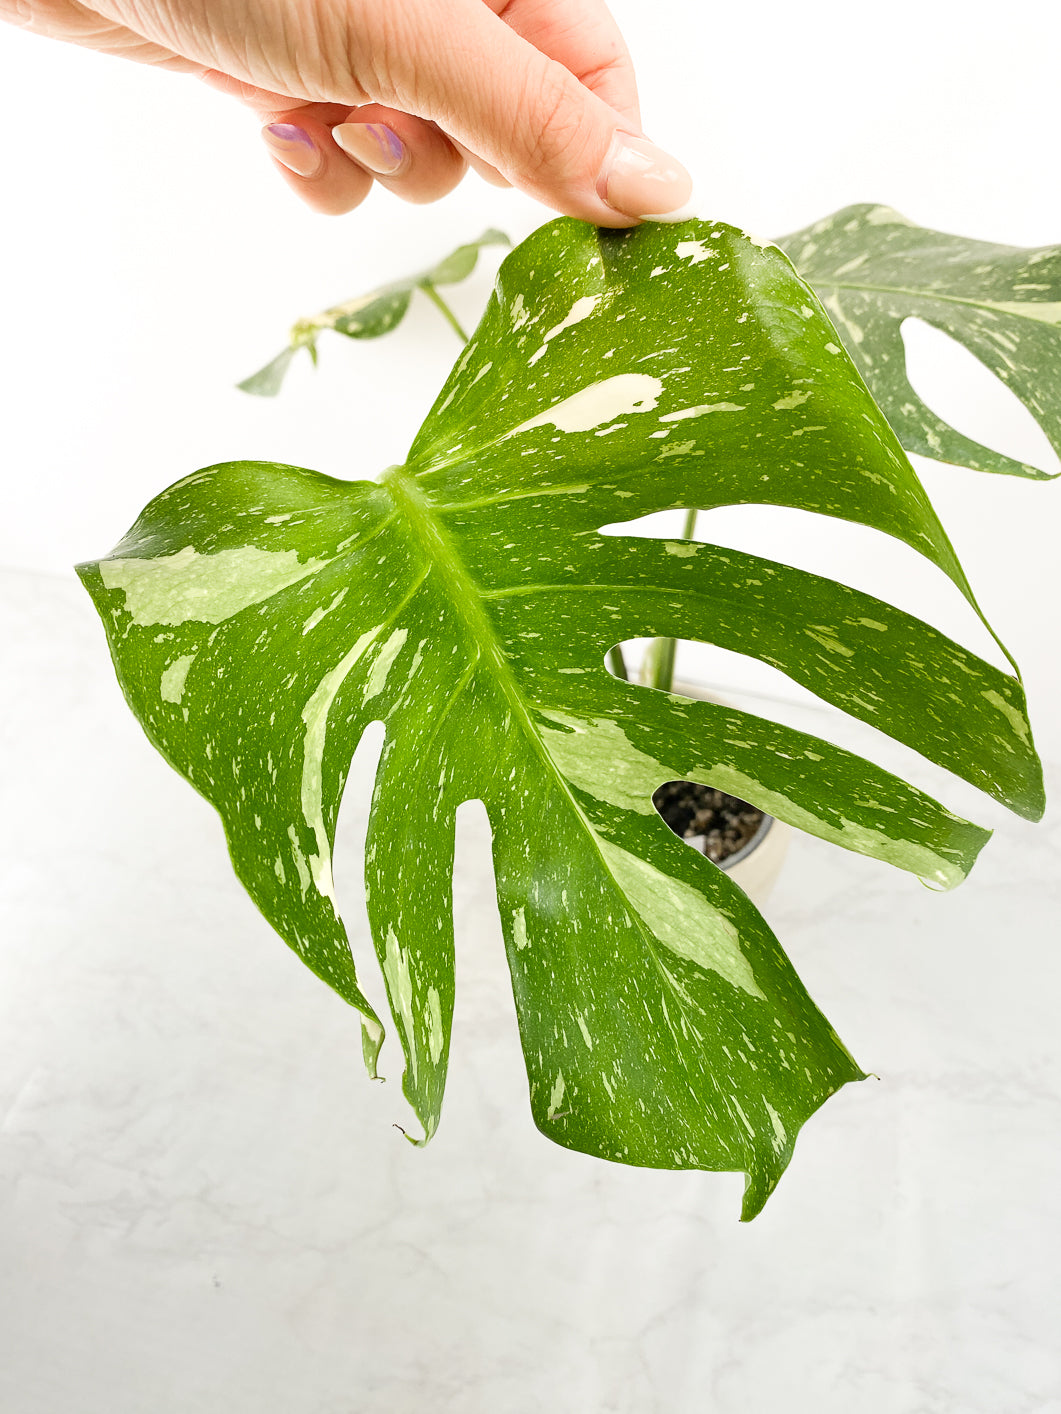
(371, 315)
(872, 269)
(261, 616)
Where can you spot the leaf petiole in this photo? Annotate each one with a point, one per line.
(447, 313)
(657, 670)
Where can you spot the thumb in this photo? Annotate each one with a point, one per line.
(528, 116)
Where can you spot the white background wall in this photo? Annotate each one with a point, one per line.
(152, 258)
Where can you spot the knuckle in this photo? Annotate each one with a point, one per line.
(376, 49)
(550, 133)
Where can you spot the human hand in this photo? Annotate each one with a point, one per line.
(536, 93)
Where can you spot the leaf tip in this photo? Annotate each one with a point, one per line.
(758, 1187)
(371, 1041)
(268, 381)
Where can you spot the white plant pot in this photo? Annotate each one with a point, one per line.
(757, 864)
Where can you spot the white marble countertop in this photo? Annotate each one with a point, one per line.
(204, 1208)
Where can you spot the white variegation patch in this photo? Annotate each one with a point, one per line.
(171, 685)
(519, 928)
(681, 918)
(581, 309)
(1025, 309)
(556, 1095)
(791, 400)
(863, 839)
(701, 410)
(188, 587)
(315, 718)
(399, 979)
(1016, 719)
(434, 1025)
(598, 403)
(383, 662)
(696, 252)
(598, 757)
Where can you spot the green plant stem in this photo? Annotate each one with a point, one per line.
(447, 313)
(617, 663)
(657, 669)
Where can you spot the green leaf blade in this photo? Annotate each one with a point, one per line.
(649, 993)
(371, 315)
(691, 420)
(268, 381)
(408, 877)
(872, 269)
(210, 624)
(262, 617)
(459, 264)
(852, 650)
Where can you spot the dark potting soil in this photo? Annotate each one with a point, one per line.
(726, 823)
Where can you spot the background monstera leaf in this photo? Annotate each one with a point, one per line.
(372, 315)
(872, 268)
(261, 616)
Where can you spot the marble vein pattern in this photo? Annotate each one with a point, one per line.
(204, 1205)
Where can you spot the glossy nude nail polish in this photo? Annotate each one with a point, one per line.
(640, 179)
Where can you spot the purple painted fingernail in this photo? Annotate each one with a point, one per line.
(294, 148)
(371, 145)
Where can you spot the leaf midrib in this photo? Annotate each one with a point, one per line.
(465, 596)
(819, 285)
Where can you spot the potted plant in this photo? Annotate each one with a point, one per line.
(261, 616)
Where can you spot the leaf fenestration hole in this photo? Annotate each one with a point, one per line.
(958, 388)
(348, 867)
(855, 555)
(483, 991)
(739, 681)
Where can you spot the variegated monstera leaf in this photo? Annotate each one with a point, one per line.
(372, 315)
(872, 269)
(262, 616)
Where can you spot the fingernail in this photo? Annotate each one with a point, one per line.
(640, 179)
(293, 148)
(371, 145)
